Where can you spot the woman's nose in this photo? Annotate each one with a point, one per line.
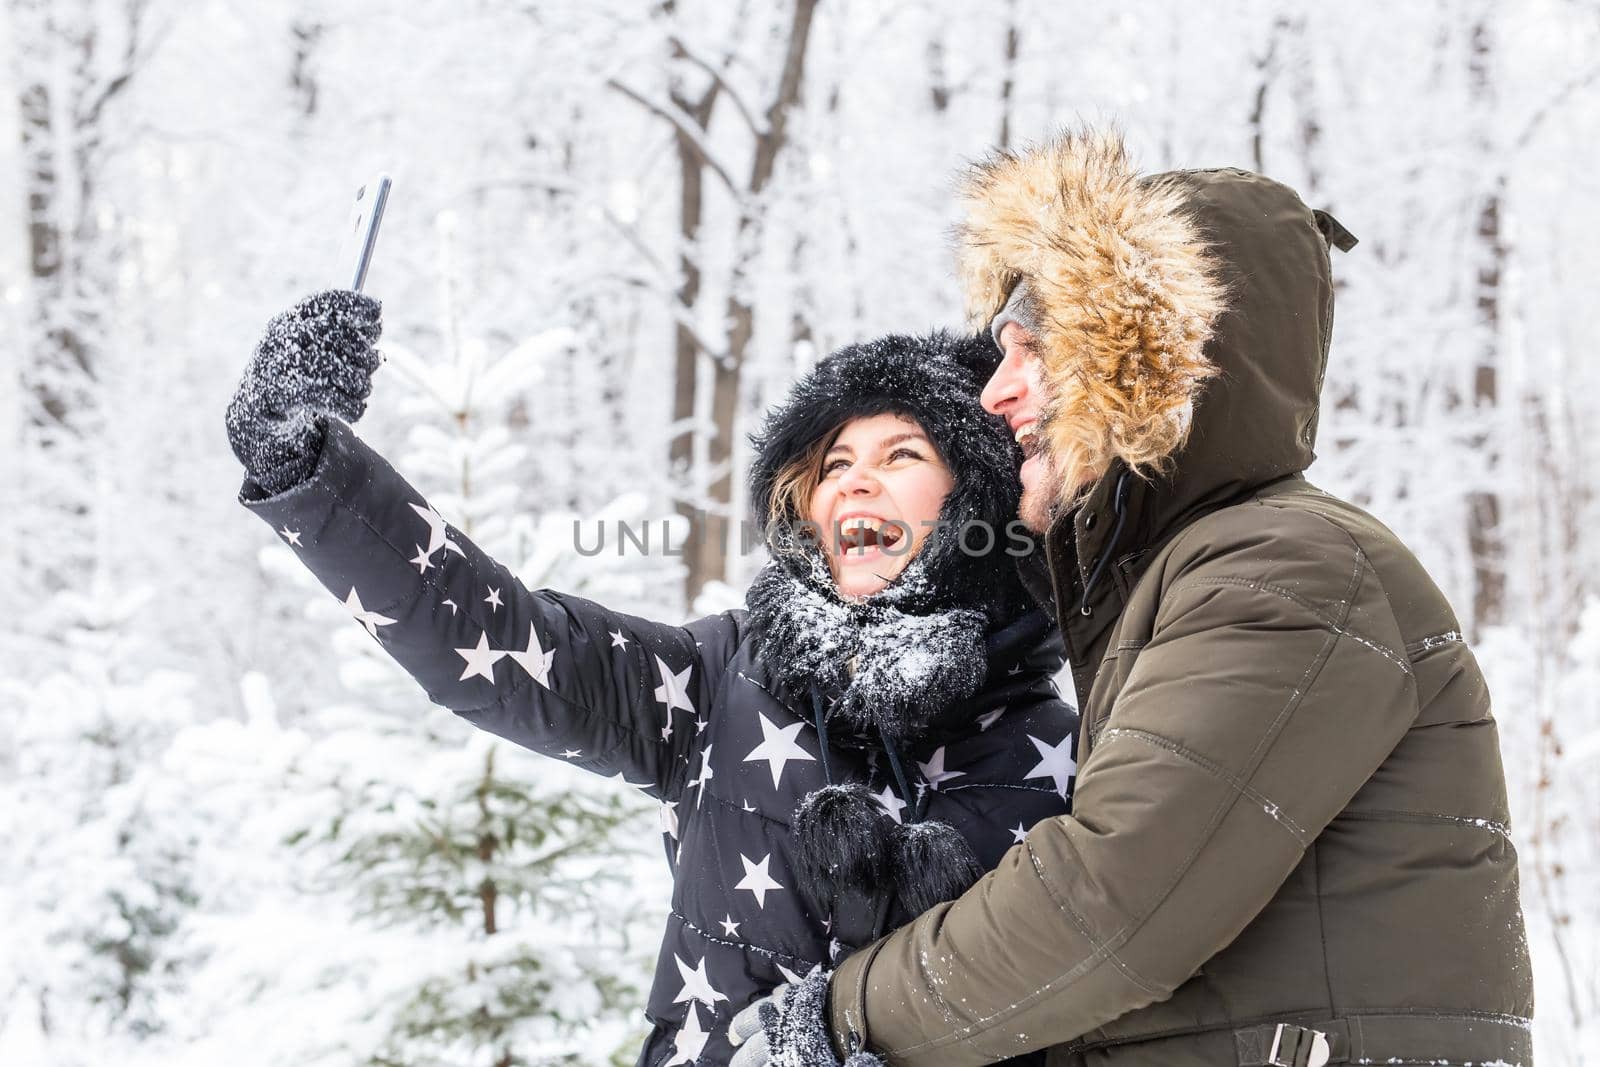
(857, 481)
(1007, 386)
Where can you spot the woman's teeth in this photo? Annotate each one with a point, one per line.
(861, 532)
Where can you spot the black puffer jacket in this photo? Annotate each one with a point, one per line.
(696, 717)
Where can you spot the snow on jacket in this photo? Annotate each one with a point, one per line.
(1292, 814)
(690, 714)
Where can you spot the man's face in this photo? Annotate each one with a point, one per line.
(1016, 392)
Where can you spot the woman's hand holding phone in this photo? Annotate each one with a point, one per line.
(315, 359)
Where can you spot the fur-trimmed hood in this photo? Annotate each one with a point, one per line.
(1184, 317)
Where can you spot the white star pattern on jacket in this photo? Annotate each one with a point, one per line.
(493, 599)
(705, 774)
(778, 747)
(729, 927)
(1019, 834)
(674, 688)
(690, 1041)
(890, 803)
(934, 770)
(480, 660)
(437, 538)
(618, 639)
(535, 660)
(794, 979)
(291, 536)
(370, 619)
(696, 985)
(669, 818)
(757, 879)
(1057, 763)
(618, 777)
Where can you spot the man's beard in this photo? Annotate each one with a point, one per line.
(1037, 506)
(1035, 510)
(1041, 502)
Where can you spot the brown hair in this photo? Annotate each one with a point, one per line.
(796, 481)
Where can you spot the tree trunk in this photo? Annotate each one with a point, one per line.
(686, 347)
(1485, 537)
(64, 86)
(488, 843)
(714, 544)
(1009, 79)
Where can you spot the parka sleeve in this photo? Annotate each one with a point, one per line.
(1273, 685)
(557, 674)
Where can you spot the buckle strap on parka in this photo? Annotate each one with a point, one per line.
(1287, 1045)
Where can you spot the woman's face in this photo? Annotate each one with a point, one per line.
(881, 490)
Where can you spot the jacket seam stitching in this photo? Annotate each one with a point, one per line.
(1103, 948)
(1492, 826)
(742, 945)
(1322, 927)
(1520, 1022)
(717, 798)
(1269, 806)
(1002, 785)
(1433, 641)
(1400, 661)
(1362, 559)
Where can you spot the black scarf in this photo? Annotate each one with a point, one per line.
(886, 665)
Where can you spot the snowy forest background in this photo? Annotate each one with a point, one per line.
(230, 831)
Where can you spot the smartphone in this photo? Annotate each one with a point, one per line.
(361, 235)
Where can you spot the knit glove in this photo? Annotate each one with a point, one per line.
(789, 1028)
(316, 359)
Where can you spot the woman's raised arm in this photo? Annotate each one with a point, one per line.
(558, 674)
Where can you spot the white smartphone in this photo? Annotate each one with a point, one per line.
(361, 235)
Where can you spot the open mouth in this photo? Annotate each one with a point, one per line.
(861, 532)
(1027, 436)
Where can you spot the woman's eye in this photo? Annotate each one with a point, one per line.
(834, 466)
(905, 453)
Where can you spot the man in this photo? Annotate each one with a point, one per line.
(1289, 840)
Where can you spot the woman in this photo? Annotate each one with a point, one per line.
(869, 736)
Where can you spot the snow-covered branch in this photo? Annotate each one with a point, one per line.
(680, 50)
(685, 125)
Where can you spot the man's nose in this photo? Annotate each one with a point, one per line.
(1006, 387)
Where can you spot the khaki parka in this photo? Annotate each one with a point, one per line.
(1291, 809)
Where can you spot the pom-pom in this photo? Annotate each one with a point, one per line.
(932, 863)
(841, 840)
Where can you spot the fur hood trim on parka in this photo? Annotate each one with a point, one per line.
(1123, 285)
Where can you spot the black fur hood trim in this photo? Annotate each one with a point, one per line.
(935, 379)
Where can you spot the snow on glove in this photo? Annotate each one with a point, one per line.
(789, 1028)
(315, 359)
